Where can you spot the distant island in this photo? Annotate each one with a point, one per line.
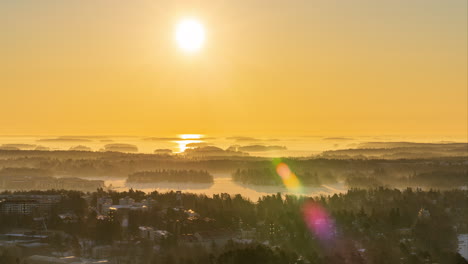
(194, 176)
(398, 150)
(118, 147)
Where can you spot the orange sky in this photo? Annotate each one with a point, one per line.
(267, 68)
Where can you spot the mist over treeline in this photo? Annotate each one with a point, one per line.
(399, 150)
(440, 172)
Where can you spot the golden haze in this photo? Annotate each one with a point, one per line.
(266, 67)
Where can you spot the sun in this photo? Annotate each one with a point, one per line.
(190, 35)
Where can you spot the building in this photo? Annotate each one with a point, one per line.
(179, 202)
(250, 233)
(126, 201)
(103, 204)
(463, 245)
(218, 237)
(424, 214)
(38, 259)
(102, 252)
(28, 204)
(25, 182)
(149, 233)
(18, 206)
(150, 203)
(120, 212)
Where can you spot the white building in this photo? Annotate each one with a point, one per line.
(147, 232)
(463, 245)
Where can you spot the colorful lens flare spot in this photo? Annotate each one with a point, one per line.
(318, 220)
(290, 179)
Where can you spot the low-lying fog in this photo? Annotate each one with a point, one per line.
(222, 184)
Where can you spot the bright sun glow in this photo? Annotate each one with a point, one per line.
(190, 35)
(190, 136)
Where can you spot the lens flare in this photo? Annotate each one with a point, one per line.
(290, 179)
(318, 220)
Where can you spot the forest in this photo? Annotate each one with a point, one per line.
(441, 172)
(378, 225)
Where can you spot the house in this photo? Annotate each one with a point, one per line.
(188, 239)
(219, 237)
(101, 252)
(28, 204)
(103, 204)
(126, 201)
(424, 213)
(463, 245)
(38, 259)
(149, 233)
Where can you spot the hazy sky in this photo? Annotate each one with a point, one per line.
(268, 67)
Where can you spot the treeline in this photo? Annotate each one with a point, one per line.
(268, 176)
(399, 150)
(195, 176)
(439, 178)
(24, 171)
(443, 179)
(312, 171)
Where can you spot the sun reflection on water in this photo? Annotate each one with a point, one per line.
(188, 139)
